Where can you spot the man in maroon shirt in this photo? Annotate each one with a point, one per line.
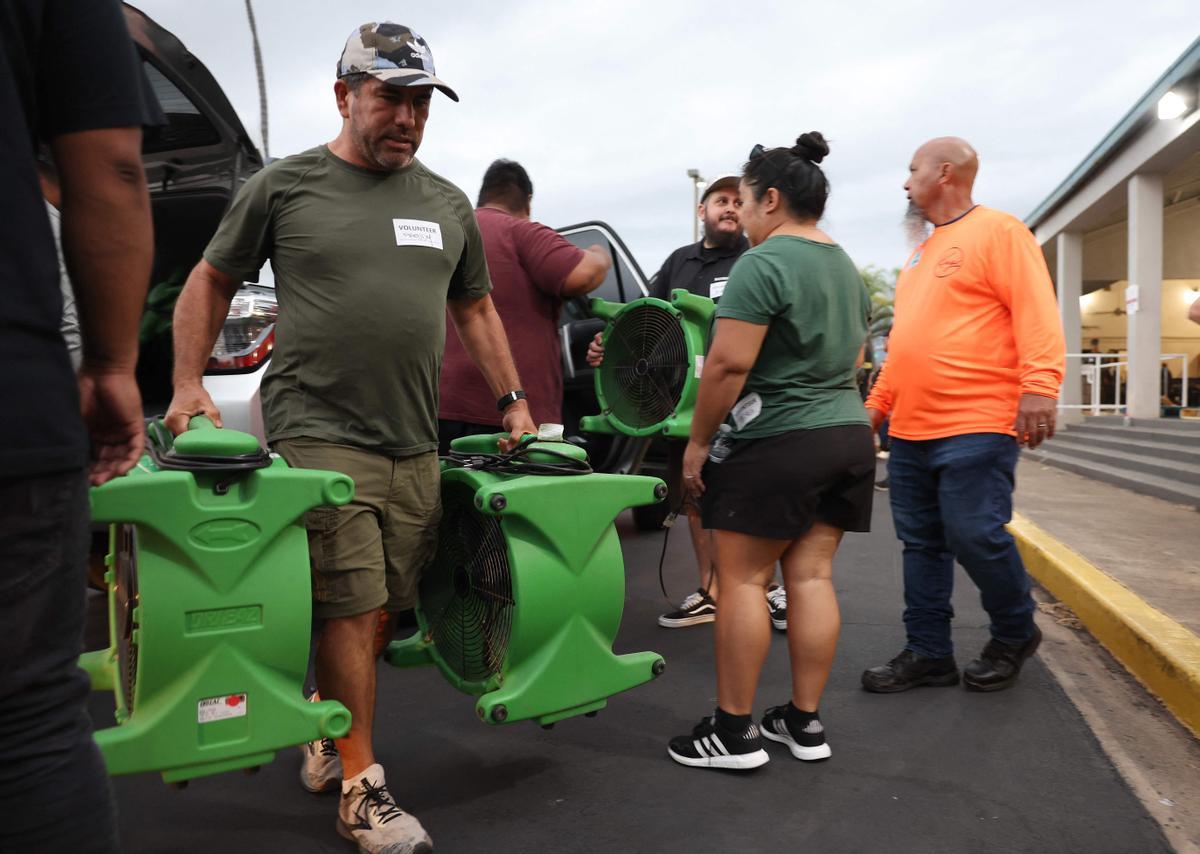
(533, 270)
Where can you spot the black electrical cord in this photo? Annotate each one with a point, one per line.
(668, 524)
(517, 462)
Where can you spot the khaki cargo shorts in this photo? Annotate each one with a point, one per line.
(370, 553)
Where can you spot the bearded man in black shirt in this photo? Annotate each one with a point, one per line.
(701, 268)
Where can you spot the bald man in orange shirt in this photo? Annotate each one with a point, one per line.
(975, 362)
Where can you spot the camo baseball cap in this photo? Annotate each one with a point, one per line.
(392, 53)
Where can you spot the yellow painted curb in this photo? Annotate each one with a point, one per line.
(1163, 655)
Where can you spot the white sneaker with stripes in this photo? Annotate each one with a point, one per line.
(710, 746)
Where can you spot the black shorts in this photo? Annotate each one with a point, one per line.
(778, 486)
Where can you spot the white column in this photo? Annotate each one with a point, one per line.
(1069, 281)
(1146, 272)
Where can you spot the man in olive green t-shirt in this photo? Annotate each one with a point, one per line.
(369, 250)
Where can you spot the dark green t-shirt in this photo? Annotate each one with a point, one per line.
(364, 262)
(815, 305)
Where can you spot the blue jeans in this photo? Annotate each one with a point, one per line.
(951, 498)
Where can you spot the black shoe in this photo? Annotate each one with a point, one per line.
(777, 606)
(882, 485)
(697, 608)
(807, 744)
(909, 670)
(999, 664)
(710, 746)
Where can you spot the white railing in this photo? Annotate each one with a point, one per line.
(1092, 368)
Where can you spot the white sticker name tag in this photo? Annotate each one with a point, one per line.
(747, 409)
(417, 232)
(221, 708)
(717, 288)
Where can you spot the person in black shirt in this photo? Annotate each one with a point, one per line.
(69, 76)
(701, 268)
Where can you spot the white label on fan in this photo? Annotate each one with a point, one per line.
(747, 409)
(699, 366)
(221, 708)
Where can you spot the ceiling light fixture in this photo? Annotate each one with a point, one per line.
(1172, 105)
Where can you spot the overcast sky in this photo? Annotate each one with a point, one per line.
(609, 104)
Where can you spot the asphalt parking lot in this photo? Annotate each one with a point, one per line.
(932, 770)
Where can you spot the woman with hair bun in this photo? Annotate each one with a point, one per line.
(793, 465)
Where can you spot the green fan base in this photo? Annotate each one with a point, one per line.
(568, 583)
(224, 608)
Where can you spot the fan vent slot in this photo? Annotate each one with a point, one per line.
(467, 591)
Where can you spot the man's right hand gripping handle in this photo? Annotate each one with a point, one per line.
(188, 402)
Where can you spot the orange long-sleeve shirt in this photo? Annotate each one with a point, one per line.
(976, 326)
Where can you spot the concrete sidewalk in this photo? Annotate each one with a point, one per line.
(1129, 566)
(1147, 544)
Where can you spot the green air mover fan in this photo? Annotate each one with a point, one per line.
(524, 596)
(653, 355)
(210, 606)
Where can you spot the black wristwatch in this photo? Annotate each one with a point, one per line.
(509, 399)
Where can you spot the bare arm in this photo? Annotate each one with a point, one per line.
(1194, 312)
(483, 338)
(734, 350)
(589, 273)
(199, 313)
(108, 246)
(108, 240)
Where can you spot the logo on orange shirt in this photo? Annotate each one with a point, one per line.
(949, 263)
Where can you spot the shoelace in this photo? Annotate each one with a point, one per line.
(777, 597)
(328, 748)
(691, 601)
(381, 799)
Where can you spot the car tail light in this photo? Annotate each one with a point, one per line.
(248, 336)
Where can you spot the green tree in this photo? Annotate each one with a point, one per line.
(881, 285)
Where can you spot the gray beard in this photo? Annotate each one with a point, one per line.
(916, 227)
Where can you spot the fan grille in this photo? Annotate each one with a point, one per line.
(466, 594)
(126, 596)
(645, 366)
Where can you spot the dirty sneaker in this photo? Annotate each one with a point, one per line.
(801, 732)
(368, 816)
(696, 608)
(777, 606)
(321, 767)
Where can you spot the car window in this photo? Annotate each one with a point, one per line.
(611, 288)
(186, 126)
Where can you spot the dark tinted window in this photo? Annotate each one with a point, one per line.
(186, 125)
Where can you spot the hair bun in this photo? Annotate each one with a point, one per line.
(811, 146)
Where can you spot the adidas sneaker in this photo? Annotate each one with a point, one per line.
(710, 746)
(807, 744)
